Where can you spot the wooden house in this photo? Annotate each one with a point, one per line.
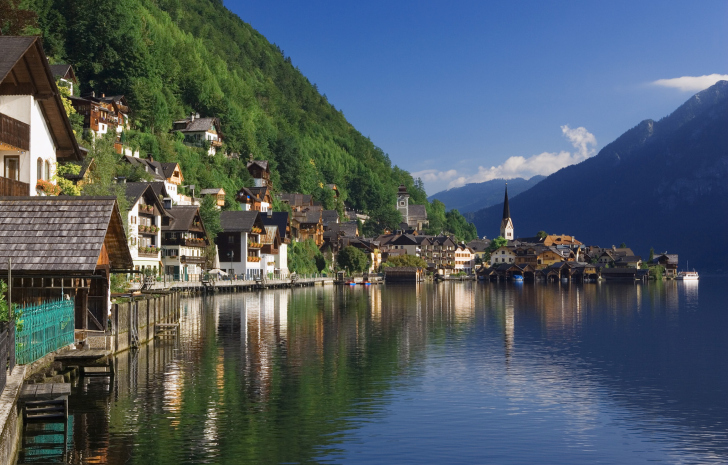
(260, 171)
(63, 248)
(218, 193)
(35, 132)
(669, 262)
(297, 202)
(271, 260)
(184, 240)
(168, 173)
(308, 224)
(255, 198)
(102, 115)
(282, 224)
(65, 76)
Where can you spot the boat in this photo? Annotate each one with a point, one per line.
(688, 276)
(518, 278)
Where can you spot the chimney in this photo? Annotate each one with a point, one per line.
(121, 180)
(167, 202)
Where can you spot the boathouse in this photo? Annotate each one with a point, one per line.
(63, 248)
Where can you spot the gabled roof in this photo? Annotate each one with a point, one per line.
(417, 212)
(479, 245)
(168, 169)
(150, 190)
(199, 125)
(150, 166)
(279, 219)
(181, 218)
(213, 191)
(263, 164)
(296, 200)
(23, 59)
(61, 234)
(64, 72)
(330, 216)
(232, 221)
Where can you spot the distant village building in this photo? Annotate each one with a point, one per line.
(168, 173)
(35, 132)
(65, 76)
(239, 244)
(506, 229)
(200, 132)
(218, 193)
(145, 226)
(102, 115)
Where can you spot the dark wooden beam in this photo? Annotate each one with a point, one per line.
(18, 89)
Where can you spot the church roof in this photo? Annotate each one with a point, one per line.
(506, 208)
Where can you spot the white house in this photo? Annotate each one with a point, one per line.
(464, 259)
(503, 254)
(200, 132)
(35, 132)
(145, 226)
(239, 244)
(184, 241)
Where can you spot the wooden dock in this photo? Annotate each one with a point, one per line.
(45, 402)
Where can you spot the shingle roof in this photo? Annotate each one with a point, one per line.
(168, 169)
(181, 217)
(201, 124)
(60, 70)
(478, 245)
(330, 216)
(262, 163)
(238, 221)
(61, 234)
(212, 191)
(296, 199)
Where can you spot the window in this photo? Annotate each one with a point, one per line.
(12, 168)
(231, 239)
(47, 175)
(39, 169)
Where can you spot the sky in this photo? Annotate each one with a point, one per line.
(460, 92)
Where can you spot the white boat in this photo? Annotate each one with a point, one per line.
(688, 276)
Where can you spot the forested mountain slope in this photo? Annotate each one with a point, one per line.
(171, 58)
(661, 184)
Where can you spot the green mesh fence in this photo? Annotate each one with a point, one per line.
(45, 328)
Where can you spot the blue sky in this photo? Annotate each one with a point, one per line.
(460, 92)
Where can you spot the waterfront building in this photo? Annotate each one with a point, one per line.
(413, 216)
(239, 244)
(464, 259)
(35, 132)
(184, 240)
(281, 222)
(503, 254)
(145, 222)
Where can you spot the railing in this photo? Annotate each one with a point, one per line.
(10, 187)
(190, 259)
(46, 327)
(14, 132)
(7, 351)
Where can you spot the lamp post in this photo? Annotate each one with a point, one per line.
(230, 258)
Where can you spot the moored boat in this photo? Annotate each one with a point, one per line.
(688, 276)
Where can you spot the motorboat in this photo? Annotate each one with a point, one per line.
(688, 276)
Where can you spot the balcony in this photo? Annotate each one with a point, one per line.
(10, 187)
(150, 230)
(150, 252)
(14, 133)
(189, 259)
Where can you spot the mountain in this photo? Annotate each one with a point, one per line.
(479, 195)
(661, 184)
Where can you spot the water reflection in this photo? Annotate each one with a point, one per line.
(594, 372)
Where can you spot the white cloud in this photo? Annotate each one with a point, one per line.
(541, 164)
(435, 175)
(691, 83)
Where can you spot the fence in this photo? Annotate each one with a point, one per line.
(46, 327)
(7, 351)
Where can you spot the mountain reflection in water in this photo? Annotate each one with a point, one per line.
(431, 373)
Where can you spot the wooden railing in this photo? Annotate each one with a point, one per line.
(14, 132)
(13, 188)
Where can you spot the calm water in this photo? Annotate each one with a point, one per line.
(435, 373)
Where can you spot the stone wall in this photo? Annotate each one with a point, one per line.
(133, 321)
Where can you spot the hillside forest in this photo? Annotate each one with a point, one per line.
(171, 58)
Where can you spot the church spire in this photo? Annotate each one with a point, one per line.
(506, 209)
(506, 229)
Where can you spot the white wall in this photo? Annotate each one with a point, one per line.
(41, 146)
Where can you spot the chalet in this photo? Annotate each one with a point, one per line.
(64, 76)
(272, 262)
(411, 244)
(628, 261)
(168, 173)
(104, 114)
(184, 240)
(503, 254)
(200, 132)
(279, 220)
(35, 132)
(329, 217)
(308, 224)
(260, 172)
(63, 248)
(561, 240)
(551, 255)
(255, 198)
(479, 247)
(145, 226)
(669, 262)
(218, 193)
(239, 244)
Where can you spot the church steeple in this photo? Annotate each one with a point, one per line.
(506, 229)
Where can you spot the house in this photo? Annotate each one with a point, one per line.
(145, 226)
(184, 240)
(628, 261)
(255, 198)
(219, 194)
(239, 244)
(329, 217)
(503, 254)
(413, 216)
(669, 262)
(64, 76)
(272, 262)
(64, 248)
(297, 202)
(464, 259)
(35, 132)
(439, 252)
(200, 132)
(102, 115)
(279, 220)
(370, 247)
(551, 255)
(168, 173)
(561, 240)
(308, 224)
(260, 172)
(479, 248)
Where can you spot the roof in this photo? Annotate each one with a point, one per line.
(479, 245)
(62, 71)
(232, 221)
(155, 168)
(263, 164)
(213, 191)
(506, 208)
(279, 219)
(296, 199)
(308, 216)
(61, 234)
(350, 228)
(168, 169)
(181, 217)
(330, 216)
(200, 124)
(23, 58)
(415, 212)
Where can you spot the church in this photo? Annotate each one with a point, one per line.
(506, 228)
(413, 216)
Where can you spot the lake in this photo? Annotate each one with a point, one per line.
(460, 372)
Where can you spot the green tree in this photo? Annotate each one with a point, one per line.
(622, 245)
(405, 260)
(352, 259)
(541, 234)
(210, 217)
(652, 254)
